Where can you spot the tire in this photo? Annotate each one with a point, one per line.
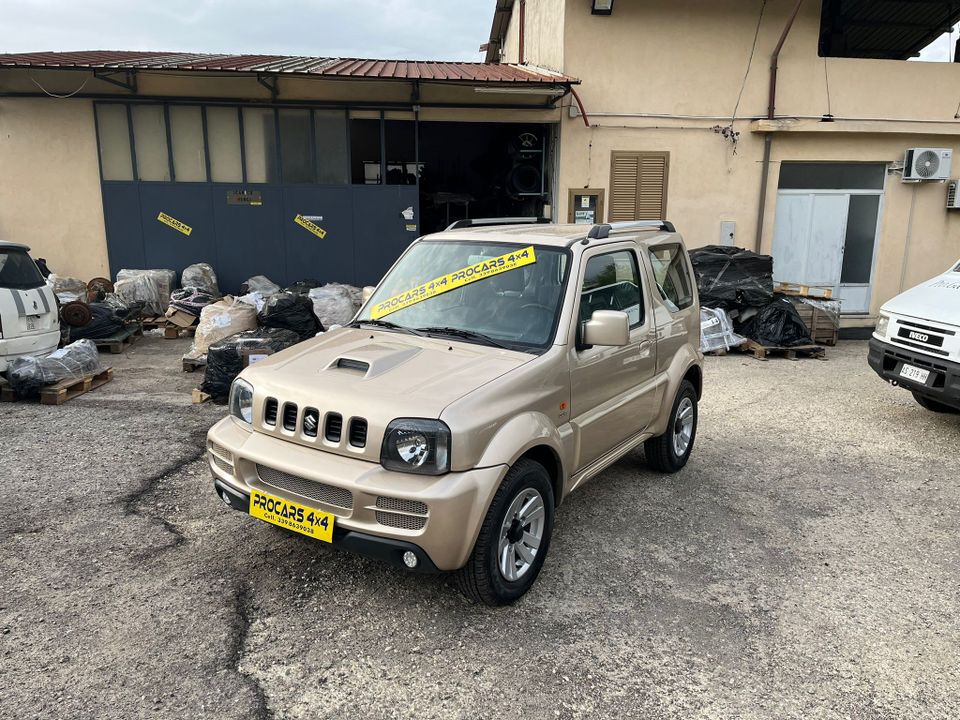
(661, 452)
(482, 579)
(933, 405)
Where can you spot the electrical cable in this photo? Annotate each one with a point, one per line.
(753, 51)
(826, 77)
(55, 95)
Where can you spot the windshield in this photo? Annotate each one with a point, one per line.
(18, 271)
(492, 293)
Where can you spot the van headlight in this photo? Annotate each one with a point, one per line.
(414, 445)
(241, 400)
(883, 321)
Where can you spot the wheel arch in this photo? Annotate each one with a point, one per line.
(550, 460)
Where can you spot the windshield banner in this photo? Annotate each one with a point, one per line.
(458, 278)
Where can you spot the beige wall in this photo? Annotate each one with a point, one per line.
(659, 76)
(50, 184)
(543, 38)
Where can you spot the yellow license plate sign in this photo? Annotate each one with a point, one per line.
(458, 278)
(292, 516)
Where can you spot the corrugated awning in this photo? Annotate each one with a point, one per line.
(892, 29)
(426, 70)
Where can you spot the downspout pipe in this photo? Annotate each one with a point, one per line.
(523, 26)
(771, 114)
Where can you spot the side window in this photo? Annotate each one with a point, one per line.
(672, 276)
(612, 282)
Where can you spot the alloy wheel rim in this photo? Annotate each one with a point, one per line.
(683, 427)
(521, 534)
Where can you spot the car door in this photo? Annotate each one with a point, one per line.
(675, 311)
(613, 389)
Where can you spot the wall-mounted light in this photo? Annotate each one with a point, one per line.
(602, 7)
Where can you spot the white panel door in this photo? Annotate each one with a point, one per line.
(808, 238)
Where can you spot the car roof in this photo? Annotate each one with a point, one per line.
(557, 235)
(4, 245)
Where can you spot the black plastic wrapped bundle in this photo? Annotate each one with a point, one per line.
(778, 324)
(732, 278)
(105, 321)
(28, 374)
(191, 300)
(302, 287)
(225, 357)
(291, 312)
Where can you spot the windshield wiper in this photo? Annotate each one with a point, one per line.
(466, 335)
(385, 324)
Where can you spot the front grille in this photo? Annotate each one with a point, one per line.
(334, 428)
(405, 522)
(290, 416)
(358, 432)
(221, 451)
(311, 422)
(222, 464)
(918, 346)
(407, 506)
(927, 328)
(321, 492)
(270, 411)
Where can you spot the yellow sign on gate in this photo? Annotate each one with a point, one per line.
(174, 223)
(311, 226)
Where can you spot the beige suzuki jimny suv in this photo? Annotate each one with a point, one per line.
(495, 369)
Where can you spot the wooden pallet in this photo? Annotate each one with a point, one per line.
(763, 352)
(810, 291)
(172, 331)
(59, 393)
(121, 341)
(154, 322)
(192, 364)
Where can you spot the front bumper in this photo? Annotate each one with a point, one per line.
(442, 537)
(943, 384)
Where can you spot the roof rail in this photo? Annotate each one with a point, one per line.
(599, 232)
(487, 222)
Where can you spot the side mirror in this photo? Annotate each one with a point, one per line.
(607, 327)
(367, 292)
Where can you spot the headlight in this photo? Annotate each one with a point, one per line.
(416, 446)
(882, 322)
(241, 400)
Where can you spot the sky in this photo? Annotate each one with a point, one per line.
(394, 29)
(941, 49)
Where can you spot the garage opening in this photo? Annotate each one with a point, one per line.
(474, 170)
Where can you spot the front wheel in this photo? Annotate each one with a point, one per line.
(513, 539)
(933, 405)
(668, 453)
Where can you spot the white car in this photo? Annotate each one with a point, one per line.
(917, 342)
(29, 318)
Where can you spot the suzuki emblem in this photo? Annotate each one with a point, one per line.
(34, 304)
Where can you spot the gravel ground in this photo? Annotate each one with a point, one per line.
(804, 565)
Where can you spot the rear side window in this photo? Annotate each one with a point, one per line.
(612, 282)
(18, 271)
(672, 276)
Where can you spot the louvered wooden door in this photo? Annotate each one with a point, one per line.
(638, 185)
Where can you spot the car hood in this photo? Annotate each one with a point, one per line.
(937, 299)
(375, 375)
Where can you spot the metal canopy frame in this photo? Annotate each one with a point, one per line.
(884, 29)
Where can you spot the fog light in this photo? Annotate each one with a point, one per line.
(225, 498)
(410, 559)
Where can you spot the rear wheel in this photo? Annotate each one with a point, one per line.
(668, 453)
(933, 405)
(513, 539)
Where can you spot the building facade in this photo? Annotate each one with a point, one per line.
(681, 121)
(288, 167)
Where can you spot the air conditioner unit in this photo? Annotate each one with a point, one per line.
(927, 164)
(953, 195)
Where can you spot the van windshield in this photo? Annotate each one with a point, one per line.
(18, 271)
(498, 294)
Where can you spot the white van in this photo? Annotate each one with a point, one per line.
(917, 342)
(29, 318)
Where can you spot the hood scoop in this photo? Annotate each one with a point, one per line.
(373, 359)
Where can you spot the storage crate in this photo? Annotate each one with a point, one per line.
(822, 318)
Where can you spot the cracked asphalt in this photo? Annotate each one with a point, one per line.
(804, 565)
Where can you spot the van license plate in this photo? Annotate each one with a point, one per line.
(292, 516)
(31, 322)
(914, 373)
